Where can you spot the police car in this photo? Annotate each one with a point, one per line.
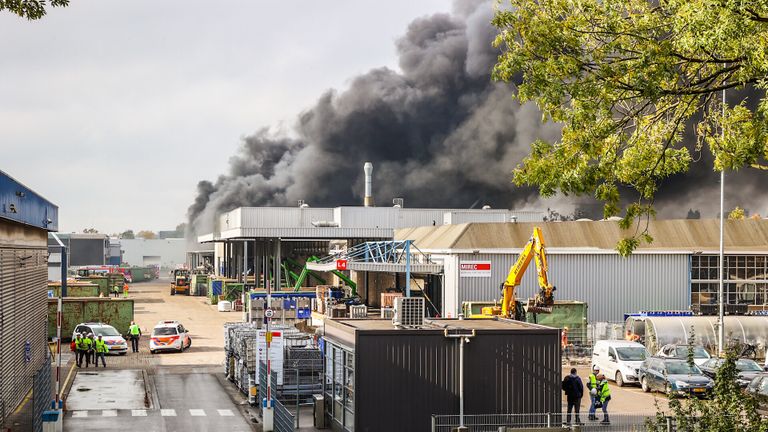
(169, 336)
(110, 336)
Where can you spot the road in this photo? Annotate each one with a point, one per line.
(162, 392)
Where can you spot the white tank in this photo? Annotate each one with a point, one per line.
(225, 306)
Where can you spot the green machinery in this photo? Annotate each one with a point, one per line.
(306, 272)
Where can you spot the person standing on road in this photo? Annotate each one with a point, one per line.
(574, 390)
(592, 386)
(87, 348)
(101, 352)
(79, 349)
(604, 396)
(135, 334)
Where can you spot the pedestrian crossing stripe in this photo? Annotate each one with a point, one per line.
(79, 413)
(225, 412)
(165, 412)
(197, 413)
(139, 413)
(168, 412)
(109, 413)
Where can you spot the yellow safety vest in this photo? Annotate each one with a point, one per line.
(135, 330)
(87, 343)
(101, 346)
(79, 344)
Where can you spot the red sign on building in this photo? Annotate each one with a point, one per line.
(341, 264)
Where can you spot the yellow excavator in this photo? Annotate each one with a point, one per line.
(544, 300)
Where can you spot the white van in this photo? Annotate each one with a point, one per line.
(619, 360)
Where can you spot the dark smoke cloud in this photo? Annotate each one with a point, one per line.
(439, 132)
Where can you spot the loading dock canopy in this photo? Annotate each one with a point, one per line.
(381, 256)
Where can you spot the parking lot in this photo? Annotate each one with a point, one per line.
(627, 399)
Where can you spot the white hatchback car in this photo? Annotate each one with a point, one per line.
(114, 340)
(169, 336)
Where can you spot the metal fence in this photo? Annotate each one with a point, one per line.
(495, 422)
(42, 394)
(284, 420)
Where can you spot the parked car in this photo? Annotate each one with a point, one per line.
(759, 388)
(169, 336)
(674, 377)
(114, 340)
(619, 360)
(678, 351)
(747, 368)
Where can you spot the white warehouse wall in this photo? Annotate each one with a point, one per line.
(141, 252)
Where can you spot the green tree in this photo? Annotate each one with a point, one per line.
(625, 79)
(30, 9)
(90, 231)
(128, 234)
(737, 214)
(729, 410)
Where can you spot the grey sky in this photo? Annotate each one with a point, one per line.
(115, 110)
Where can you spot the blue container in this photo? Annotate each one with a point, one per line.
(216, 287)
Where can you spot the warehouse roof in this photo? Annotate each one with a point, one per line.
(437, 324)
(21, 204)
(697, 235)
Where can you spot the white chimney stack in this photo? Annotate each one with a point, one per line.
(368, 168)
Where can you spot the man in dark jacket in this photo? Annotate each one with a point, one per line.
(574, 390)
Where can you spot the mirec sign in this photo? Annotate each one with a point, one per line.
(475, 269)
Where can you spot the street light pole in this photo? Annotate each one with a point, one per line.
(721, 270)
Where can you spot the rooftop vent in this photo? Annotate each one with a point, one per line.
(398, 202)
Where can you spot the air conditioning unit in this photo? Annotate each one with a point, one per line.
(409, 312)
(358, 311)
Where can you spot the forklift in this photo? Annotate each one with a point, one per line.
(180, 282)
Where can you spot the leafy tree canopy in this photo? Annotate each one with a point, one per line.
(145, 234)
(737, 214)
(128, 234)
(30, 9)
(626, 78)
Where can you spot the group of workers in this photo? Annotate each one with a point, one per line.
(599, 395)
(90, 349)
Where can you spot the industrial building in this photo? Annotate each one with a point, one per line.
(82, 250)
(167, 253)
(371, 369)
(677, 271)
(25, 220)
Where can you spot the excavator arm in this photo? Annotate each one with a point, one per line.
(542, 303)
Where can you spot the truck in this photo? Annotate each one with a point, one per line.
(180, 282)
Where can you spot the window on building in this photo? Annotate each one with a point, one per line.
(746, 279)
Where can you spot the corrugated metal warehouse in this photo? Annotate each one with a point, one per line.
(382, 378)
(25, 219)
(677, 271)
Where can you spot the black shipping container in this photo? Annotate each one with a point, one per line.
(381, 378)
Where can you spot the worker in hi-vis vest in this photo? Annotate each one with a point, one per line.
(101, 352)
(135, 334)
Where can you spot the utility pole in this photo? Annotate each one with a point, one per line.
(721, 268)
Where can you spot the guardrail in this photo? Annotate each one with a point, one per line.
(619, 422)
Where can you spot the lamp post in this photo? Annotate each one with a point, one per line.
(721, 271)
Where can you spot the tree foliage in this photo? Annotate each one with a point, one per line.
(128, 234)
(729, 410)
(737, 214)
(627, 79)
(30, 9)
(148, 235)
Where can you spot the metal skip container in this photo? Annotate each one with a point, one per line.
(116, 312)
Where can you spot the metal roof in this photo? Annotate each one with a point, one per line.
(685, 235)
(21, 204)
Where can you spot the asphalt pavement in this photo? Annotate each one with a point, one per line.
(180, 402)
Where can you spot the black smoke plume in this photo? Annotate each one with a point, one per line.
(439, 132)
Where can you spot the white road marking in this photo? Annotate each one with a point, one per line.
(109, 413)
(139, 413)
(225, 412)
(168, 412)
(79, 413)
(197, 413)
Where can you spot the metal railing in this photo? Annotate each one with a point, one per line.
(619, 422)
(284, 420)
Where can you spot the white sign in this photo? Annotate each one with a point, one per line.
(475, 269)
(275, 353)
(269, 313)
